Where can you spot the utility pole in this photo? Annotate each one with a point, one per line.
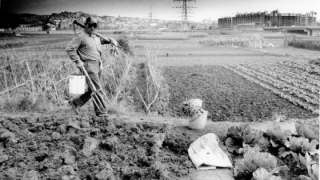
(184, 8)
(151, 17)
(150, 14)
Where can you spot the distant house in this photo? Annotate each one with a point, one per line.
(102, 24)
(201, 26)
(178, 26)
(28, 27)
(174, 25)
(108, 19)
(63, 24)
(56, 22)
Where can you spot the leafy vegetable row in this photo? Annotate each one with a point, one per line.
(304, 69)
(286, 72)
(314, 91)
(260, 150)
(279, 84)
(289, 97)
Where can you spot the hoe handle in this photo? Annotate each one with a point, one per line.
(97, 34)
(90, 83)
(79, 24)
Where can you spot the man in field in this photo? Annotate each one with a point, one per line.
(85, 50)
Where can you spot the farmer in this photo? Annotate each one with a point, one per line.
(85, 50)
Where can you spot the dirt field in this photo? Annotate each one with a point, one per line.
(61, 145)
(228, 97)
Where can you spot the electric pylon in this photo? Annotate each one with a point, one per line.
(150, 14)
(184, 8)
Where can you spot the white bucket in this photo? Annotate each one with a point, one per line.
(77, 84)
(198, 120)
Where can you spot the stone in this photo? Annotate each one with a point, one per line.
(85, 124)
(105, 175)
(56, 136)
(90, 144)
(31, 175)
(3, 158)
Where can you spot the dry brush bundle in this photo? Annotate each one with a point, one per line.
(118, 77)
(125, 46)
(152, 89)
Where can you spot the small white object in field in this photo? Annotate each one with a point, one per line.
(271, 45)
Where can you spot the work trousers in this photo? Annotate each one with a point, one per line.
(93, 70)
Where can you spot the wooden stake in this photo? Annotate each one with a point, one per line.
(6, 84)
(12, 73)
(32, 84)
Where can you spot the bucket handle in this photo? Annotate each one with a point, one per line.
(197, 116)
(194, 118)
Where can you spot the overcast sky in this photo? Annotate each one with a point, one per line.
(161, 9)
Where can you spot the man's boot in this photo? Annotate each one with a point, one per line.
(75, 108)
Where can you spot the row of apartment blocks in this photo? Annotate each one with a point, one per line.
(107, 22)
(263, 19)
(67, 22)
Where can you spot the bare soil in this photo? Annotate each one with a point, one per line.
(52, 147)
(227, 96)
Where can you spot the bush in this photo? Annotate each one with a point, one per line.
(236, 40)
(125, 46)
(294, 41)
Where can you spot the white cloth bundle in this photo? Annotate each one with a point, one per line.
(205, 153)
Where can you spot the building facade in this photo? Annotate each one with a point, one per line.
(265, 19)
(28, 27)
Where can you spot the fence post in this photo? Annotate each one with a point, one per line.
(32, 84)
(12, 73)
(6, 84)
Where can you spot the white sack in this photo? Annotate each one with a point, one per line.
(205, 153)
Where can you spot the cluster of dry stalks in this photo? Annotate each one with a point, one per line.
(31, 80)
(134, 83)
(151, 82)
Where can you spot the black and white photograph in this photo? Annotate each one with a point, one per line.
(159, 89)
